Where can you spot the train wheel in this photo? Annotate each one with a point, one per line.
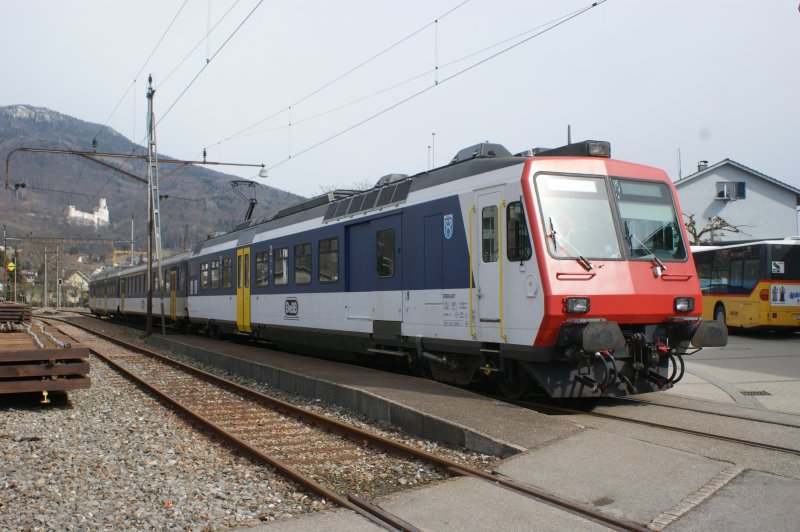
(514, 382)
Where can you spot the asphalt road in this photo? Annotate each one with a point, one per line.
(755, 369)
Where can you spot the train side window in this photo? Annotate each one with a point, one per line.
(215, 274)
(262, 268)
(204, 276)
(385, 255)
(302, 263)
(518, 245)
(329, 260)
(227, 271)
(281, 266)
(489, 237)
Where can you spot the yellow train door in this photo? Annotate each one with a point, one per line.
(123, 281)
(243, 290)
(173, 294)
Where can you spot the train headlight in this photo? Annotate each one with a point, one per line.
(576, 305)
(684, 304)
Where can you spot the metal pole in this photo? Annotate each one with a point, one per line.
(131, 239)
(152, 177)
(16, 267)
(5, 256)
(44, 296)
(58, 283)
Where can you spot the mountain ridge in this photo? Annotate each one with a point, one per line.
(197, 201)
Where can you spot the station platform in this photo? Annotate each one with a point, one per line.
(647, 483)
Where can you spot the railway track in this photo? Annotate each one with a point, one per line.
(630, 401)
(548, 408)
(298, 443)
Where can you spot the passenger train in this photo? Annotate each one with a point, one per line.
(562, 272)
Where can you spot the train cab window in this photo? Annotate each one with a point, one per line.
(215, 274)
(577, 218)
(518, 245)
(262, 268)
(302, 263)
(489, 236)
(385, 253)
(227, 271)
(204, 276)
(281, 266)
(329, 260)
(649, 219)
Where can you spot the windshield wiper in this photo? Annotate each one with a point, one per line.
(647, 249)
(583, 261)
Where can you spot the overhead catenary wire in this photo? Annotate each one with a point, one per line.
(144, 65)
(208, 62)
(401, 83)
(344, 75)
(561, 21)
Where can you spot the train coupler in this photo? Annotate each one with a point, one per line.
(588, 382)
(658, 380)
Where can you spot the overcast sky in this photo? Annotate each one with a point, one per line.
(713, 79)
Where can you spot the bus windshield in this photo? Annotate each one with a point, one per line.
(649, 221)
(577, 217)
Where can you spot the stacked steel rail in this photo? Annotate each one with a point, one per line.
(34, 361)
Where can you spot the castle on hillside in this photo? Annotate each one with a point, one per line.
(98, 217)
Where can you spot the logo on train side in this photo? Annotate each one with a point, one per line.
(291, 309)
(448, 226)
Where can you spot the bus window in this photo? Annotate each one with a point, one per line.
(750, 276)
(703, 274)
(736, 275)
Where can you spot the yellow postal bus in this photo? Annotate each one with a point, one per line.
(752, 284)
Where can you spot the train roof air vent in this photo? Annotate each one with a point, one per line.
(481, 151)
(390, 178)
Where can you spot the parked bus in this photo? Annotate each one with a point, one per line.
(752, 284)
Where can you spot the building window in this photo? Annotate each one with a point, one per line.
(385, 255)
(518, 247)
(227, 269)
(262, 268)
(215, 274)
(730, 190)
(329, 260)
(302, 263)
(204, 276)
(281, 266)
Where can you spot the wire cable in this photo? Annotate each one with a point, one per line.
(560, 22)
(208, 62)
(345, 74)
(396, 85)
(133, 83)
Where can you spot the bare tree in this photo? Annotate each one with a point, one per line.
(360, 185)
(713, 223)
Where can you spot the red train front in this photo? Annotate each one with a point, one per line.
(621, 294)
